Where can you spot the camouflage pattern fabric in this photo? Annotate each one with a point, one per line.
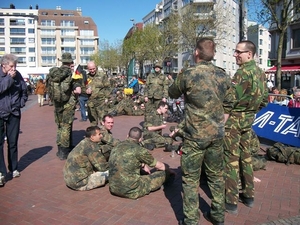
(251, 94)
(156, 89)
(211, 155)
(85, 159)
(125, 163)
(101, 89)
(107, 142)
(208, 95)
(64, 116)
(154, 137)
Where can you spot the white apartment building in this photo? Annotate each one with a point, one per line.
(226, 39)
(261, 37)
(40, 36)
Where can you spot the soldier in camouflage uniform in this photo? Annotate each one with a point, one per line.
(99, 90)
(87, 167)
(251, 95)
(208, 95)
(64, 112)
(156, 89)
(107, 141)
(125, 162)
(153, 126)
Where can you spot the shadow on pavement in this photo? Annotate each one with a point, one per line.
(77, 136)
(32, 156)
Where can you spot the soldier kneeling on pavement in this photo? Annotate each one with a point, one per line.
(127, 160)
(86, 167)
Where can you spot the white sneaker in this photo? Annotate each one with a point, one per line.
(2, 180)
(16, 173)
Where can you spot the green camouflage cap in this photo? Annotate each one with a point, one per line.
(157, 65)
(66, 57)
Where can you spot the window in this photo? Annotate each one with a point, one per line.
(260, 51)
(47, 32)
(48, 41)
(48, 23)
(86, 22)
(31, 59)
(68, 41)
(67, 32)
(86, 33)
(1, 21)
(2, 49)
(260, 41)
(225, 49)
(2, 31)
(31, 49)
(30, 31)
(48, 59)
(30, 21)
(260, 32)
(2, 41)
(233, 66)
(17, 31)
(87, 42)
(31, 40)
(233, 10)
(17, 22)
(224, 64)
(87, 51)
(48, 50)
(21, 60)
(260, 61)
(233, 38)
(17, 41)
(84, 59)
(67, 23)
(68, 49)
(296, 38)
(18, 50)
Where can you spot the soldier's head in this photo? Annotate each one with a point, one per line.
(135, 133)
(162, 107)
(67, 60)
(108, 122)
(205, 50)
(157, 68)
(244, 52)
(92, 68)
(93, 133)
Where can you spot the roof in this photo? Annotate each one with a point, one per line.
(285, 68)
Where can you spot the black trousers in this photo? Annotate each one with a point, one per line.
(10, 128)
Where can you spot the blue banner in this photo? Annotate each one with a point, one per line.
(278, 123)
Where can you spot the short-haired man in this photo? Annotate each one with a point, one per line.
(251, 95)
(208, 96)
(153, 127)
(126, 161)
(86, 167)
(99, 90)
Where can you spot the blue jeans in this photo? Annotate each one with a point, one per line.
(82, 102)
(10, 128)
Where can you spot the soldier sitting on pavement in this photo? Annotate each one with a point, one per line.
(153, 126)
(86, 167)
(125, 163)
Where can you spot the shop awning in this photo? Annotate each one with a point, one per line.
(286, 68)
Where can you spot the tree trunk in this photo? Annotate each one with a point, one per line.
(279, 58)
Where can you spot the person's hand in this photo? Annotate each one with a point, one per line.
(12, 73)
(164, 99)
(146, 99)
(147, 169)
(89, 90)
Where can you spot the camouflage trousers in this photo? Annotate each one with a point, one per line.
(238, 164)
(96, 112)
(210, 154)
(157, 139)
(64, 116)
(95, 180)
(146, 184)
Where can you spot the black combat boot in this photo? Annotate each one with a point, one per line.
(65, 152)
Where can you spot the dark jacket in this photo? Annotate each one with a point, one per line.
(13, 94)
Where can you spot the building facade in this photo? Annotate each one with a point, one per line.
(226, 36)
(40, 36)
(261, 37)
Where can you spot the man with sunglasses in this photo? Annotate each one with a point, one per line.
(251, 95)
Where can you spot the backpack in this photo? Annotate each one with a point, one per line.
(284, 153)
(58, 83)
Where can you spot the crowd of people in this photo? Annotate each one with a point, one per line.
(214, 134)
(281, 97)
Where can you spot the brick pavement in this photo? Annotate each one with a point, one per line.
(40, 196)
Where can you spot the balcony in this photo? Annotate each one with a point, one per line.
(17, 23)
(204, 1)
(17, 33)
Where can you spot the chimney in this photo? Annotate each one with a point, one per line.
(36, 6)
(12, 6)
(30, 7)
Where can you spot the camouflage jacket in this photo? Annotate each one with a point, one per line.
(153, 119)
(82, 161)
(156, 86)
(101, 88)
(124, 166)
(208, 94)
(251, 94)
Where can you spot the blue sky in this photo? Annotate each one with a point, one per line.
(111, 16)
